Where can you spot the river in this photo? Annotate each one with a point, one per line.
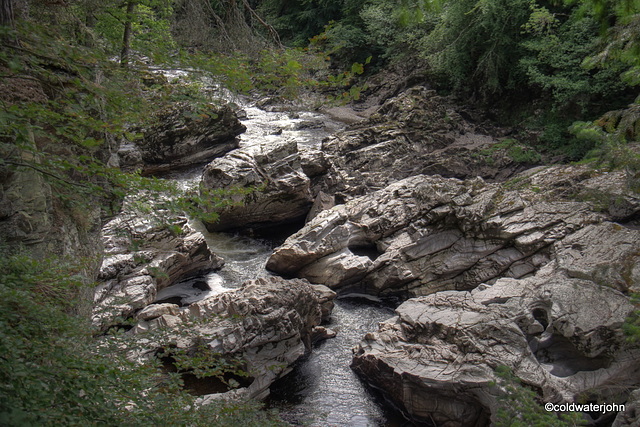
(321, 390)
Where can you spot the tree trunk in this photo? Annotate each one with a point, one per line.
(124, 54)
(6, 13)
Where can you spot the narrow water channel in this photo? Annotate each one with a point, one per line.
(322, 390)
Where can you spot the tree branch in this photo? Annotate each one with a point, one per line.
(44, 172)
(272, 31)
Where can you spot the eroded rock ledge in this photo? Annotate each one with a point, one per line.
(561, 335)
(142, 257)
(419, 132)
(268, 323)
(426, 234)
(530, 274)
(182, 136)
(278, 188)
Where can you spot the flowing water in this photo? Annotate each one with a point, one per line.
(322, 390)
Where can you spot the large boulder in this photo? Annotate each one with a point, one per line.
(426, 234)
(266, 184)
(268, 324)
(180, 136)
(142, 257)
(561, 336)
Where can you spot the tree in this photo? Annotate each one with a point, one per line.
(6, 13)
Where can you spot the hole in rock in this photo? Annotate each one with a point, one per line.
(562, 359)
(541, 315)
(184, 293)
(212, 385)
(369, 251)
(202, 285)
(216, 382)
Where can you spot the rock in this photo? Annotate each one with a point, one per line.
(143, 257)
(313, 162)
(325, 298)
(156, 310)
(322, 202)
(426, 234)
(320, 333)
(606, 254)
(182, 136)
(267, 323)
(278, 189)
(608, 192)
(275, 104)
(35, 219)
(630, 417)
(561, 336)
(419, 132)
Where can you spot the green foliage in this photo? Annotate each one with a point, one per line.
(518, 152)
(631, 326)
(610, 151)
(519, 406)
(475, 45)
(54, 372)
(560, 49)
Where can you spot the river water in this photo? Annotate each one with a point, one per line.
(322, 390)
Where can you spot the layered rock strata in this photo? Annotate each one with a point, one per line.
(181, 136)
(426, 234)
(419, 132)
(142, 257)
(268, 323)
(560, 335)
(267, 187)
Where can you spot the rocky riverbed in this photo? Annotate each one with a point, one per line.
(500, 261)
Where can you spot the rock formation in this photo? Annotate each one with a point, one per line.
(426, 234)
(560, 335)
(530, 274)
(278, 189)
(418, 132)
(182, 136)
(267, 323)
(142, 257)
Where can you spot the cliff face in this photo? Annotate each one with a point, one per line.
(38, 219)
